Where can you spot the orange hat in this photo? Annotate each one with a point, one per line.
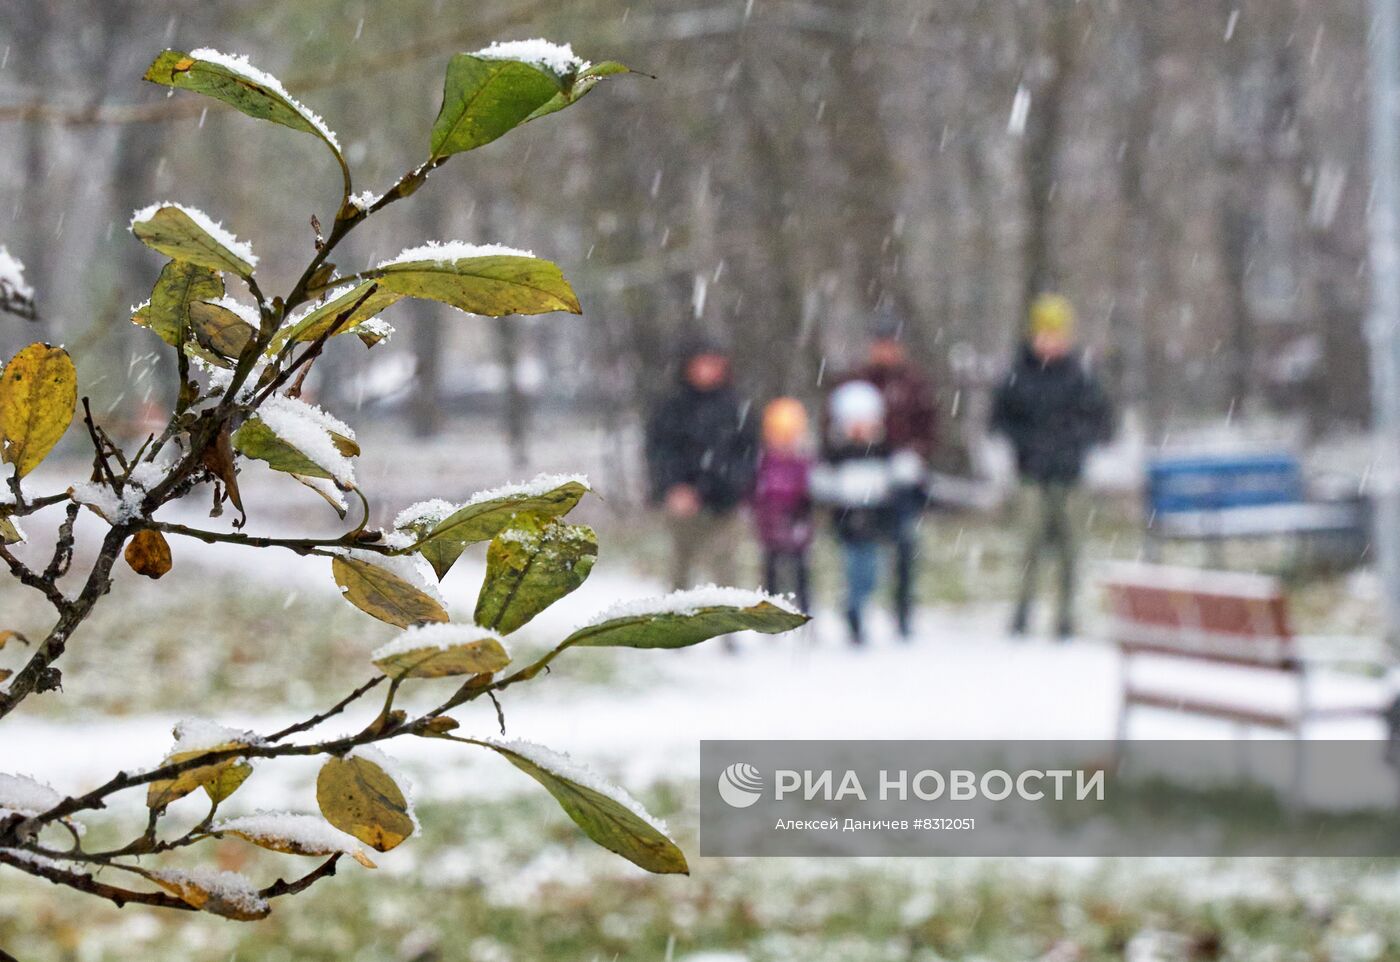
(784, 421)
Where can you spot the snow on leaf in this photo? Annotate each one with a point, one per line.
(442, 535)
(445, 252)
(235, 81)
(441, 650)
(299, 438)
(228, 894)
(685, 618)
(187, 233)
(292, 834)
(554, 57)
(606, 813)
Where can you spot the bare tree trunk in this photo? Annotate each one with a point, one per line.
(1043, 133)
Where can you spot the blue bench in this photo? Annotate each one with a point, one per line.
(1220, 497)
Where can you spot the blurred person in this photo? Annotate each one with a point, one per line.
(782, 499)
(701, 449)
(860, 479)
(1053, 410)
(911, 436)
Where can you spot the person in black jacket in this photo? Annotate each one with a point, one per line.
(1053, 410)
(702, 449)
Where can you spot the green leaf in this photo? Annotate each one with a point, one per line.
(530, 566)
(682, 629)
(360, 798)
(242, 87)
(379, 592)
(439, 655)
(442, 540)
(319, 320)
(38, 393)
(254, 439)
(219, 330)
(605, 819)
(586, 81)
(483, 99)
(173, 232)
(180, 286)
(494, 285)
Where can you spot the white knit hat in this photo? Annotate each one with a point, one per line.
(856, 402)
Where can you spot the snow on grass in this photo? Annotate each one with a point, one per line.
(308, 429)
(555, 57)
(688, 602)
(227, 888)
(12, 275)
(25, 795)
(439, 635)
(560, 764)
(239, 65)
(240, 249)
(308, 834)
(445, 252)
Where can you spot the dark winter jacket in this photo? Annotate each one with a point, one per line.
(704, 439)
(858, 483)
(911, 415)
(1053, 414)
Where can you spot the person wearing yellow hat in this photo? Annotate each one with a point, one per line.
(1052, 409)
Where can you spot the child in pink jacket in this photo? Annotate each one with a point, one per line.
(781, 500)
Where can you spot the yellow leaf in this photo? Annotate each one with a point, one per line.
(9, 531)
(208, 892)
(148, 553)
(218, 779)
(377, 591)
(439, 651)
(38, 392)
(358, 797)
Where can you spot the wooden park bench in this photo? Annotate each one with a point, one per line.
(1216, 498)
(1219, 644)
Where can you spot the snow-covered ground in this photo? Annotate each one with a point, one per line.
(960, 678)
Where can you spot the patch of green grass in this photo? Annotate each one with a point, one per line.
(512, 880)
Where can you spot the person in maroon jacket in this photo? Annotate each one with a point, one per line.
(911, 433)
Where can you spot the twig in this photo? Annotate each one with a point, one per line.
(331, 712)
(63, 547)
(280, 888)
(86, 883)
(30, 578)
